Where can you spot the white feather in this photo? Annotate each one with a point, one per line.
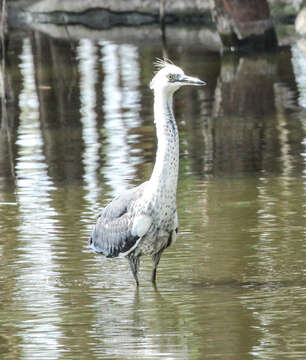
(141, 225)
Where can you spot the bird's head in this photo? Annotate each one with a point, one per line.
(170, 78)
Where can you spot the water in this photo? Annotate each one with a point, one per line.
(79, 129)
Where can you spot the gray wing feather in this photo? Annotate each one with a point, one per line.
(112, 233)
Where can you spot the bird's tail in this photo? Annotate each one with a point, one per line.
(92, 246)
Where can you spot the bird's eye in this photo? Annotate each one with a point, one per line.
(171, 77)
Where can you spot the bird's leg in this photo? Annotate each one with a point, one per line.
(156, 258)
(134, 265)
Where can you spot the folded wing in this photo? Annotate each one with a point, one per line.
(115, 232)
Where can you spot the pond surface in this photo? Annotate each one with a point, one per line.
(78, 128)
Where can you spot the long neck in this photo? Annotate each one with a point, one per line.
(165, 172)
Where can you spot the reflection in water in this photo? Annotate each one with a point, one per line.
(279, 216)
(144, 328)
(87, 54)
(37, 226)
(299, 67)
(232, 287)
(249, 127)
(121, 108)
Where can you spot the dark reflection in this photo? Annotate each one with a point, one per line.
(243, 132)
(11, 82)
(57, 82)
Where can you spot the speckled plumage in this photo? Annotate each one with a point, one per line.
(143, 220)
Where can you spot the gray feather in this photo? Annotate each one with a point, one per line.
(112, 233)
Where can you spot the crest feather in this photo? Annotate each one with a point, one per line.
(161, 63)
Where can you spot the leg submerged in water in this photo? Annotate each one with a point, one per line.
(155, 258)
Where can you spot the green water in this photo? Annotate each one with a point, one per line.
(79, 129)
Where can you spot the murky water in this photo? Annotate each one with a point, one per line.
(78, 130)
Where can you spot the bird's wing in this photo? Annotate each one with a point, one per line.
(117, 230)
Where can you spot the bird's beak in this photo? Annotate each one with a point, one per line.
(189, 80)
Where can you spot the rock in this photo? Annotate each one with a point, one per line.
(300, 22)
(146, 6)
(103, 14)
(245, 24)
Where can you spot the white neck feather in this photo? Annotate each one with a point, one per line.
(165, 172)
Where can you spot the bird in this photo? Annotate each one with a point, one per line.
(143, 220)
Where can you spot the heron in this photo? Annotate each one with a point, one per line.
(143, 220)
